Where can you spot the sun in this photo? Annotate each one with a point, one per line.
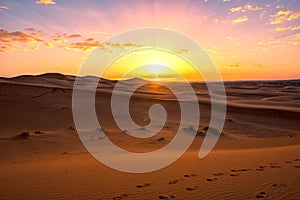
(153, 72)
(156, 69)
(152, 65)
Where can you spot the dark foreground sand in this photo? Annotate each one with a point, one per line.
(42, 157)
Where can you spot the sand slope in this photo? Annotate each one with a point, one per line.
(42, 157)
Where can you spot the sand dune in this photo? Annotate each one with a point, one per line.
(41, 155)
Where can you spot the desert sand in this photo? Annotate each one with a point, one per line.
(42, 157)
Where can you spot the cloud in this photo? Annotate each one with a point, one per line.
(73, 36)
(231, 38)
(247, 7)
(295, 39)
(294, 15)
(235, 9)
(181, 51)
(295, 28)
(217, 52)
(236, 65)
(282, 28)
(284, 15)
(281, 40)
(46, 2)
(4, 8)
(254, 8)
(283, 12)
(288, 28)
(90, 43)
(29, 39)
(260, 66)
(85, 45)
(240, 19)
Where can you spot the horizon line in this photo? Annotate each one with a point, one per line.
(111, 79)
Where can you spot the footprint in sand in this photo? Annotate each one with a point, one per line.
(261, 195)
(234, 174)
(173, 182)
(143, 185)
(274, 166)
(120, 197)
(190, 175)
(211, 179)
(164, 196)
(192, 188)
(240, 170)
(278, 185)
(261, 168)
(218, 174)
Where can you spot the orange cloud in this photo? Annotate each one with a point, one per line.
(85, 46)
(31, 39)
(294, 15)
(240, 19)
(26, 39)
(285, 15)
(283, 12)
(46, 2)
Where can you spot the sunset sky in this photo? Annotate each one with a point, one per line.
(246, 39)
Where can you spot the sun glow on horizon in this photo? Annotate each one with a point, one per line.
(152, 65)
